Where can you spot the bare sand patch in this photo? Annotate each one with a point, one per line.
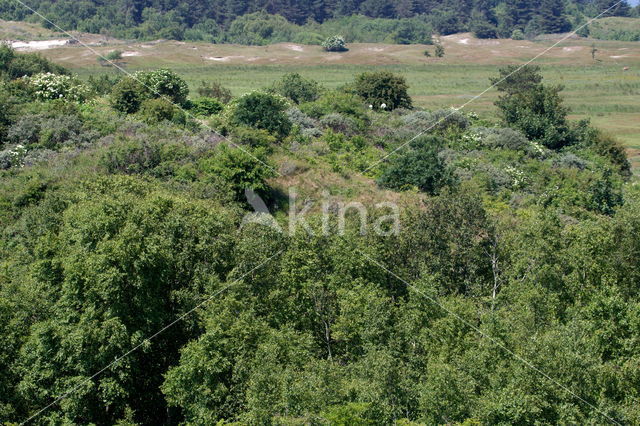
(222, 58)
(294, 47)
(38, 45)
(131, 53)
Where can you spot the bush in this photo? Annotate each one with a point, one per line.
(12, 157)
(50, 131)
(300, 119)
(164, 83)
(439, 120)
(383, 90)
(255, 138)
(517, 34)
(127, 96)
(239, 169)
(213, 89)
(114, 55)
(153, 111)
(206, 107)
(261, 111)
(307, 37)
(417, 165)
(439, 50)
(48, 86)
(104, 84)
(132, 156)
(16, 65)
(340, 123)
(570, 160)
(503, 138)
(297, 88)
(335, 44)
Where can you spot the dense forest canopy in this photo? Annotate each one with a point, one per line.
(214, 20)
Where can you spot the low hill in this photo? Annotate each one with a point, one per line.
(616, 28)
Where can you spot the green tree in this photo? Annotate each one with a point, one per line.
(261, 111)
(164, 83)
(297, 88)
(127, 96)
(552, 16)
(383, 88)
(418, 166)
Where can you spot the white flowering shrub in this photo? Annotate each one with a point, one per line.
(12, 157)
(519, 179)
(49, 86)
(164, 83)
(471, 140)
(335, 44)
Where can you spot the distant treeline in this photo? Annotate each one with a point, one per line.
(308, 21)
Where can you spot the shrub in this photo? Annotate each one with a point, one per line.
(439, 50)
(239, 169)
(503, 138)
(261, 111)
(127, 96)
(213, 89)
(340, 123)
(438, 120)
(48, 86)
(16, 65)
(155, 111)
(307, 37)
(300, 119)
(334, 101)
(605, 194)
(104, 84)
(206, 107)
(164, 83)
(114, 55)
(255, 138)
(49, 131)
(297, 88)
(417, 165)
(132, 156)
(12, 157)
(383, 89)
(570, 160)
(517, 34)
(335, 44)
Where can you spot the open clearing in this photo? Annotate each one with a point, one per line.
(601, 90)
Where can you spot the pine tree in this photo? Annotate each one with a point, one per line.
(552, 17)
(521, 12)
(621, 9)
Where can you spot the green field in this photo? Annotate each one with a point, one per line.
(606, 90)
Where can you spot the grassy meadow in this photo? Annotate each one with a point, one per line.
(605, 90)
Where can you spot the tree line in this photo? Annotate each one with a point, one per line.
(212, 20)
